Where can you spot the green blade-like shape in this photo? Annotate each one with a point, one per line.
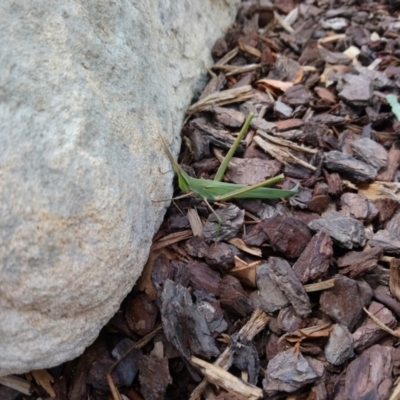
(221, 191)
(225, 162)
(183, 177)
(392, 100)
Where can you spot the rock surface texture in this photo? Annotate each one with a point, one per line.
(85, 86)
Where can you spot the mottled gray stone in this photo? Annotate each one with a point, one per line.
(354, 169)
(340, 345)
(370, 152)
(347, 231)
(85, 87)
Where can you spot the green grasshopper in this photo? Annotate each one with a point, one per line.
(216, 190)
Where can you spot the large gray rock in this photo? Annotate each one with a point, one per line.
(84, 88)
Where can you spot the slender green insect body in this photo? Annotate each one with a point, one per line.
(221, 191)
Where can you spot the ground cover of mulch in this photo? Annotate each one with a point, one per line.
(296, 298)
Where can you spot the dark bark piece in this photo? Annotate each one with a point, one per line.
(325, 94)
(228, 116)
(270, 298)
(369, 332)
(305, 216)
(97, 373)
(184, 324)
(334, 57)
(318, 391)
(378, 276)
(176, 222)
(396, 361)
(301, 198)
(288, 320)
(267, 211)
(218, 137)
(347, 231)
(162, 270)
(310, 53)
(379, 79)
(335, 184)
(287, 235)
(295, 135)
(287, 281)
(220, 48)
(365, 292)
(357, 206)
(357, 89)
(359, 35)
(318, 202)
(286, 69)
(356, 264)
(262, 124)
(232, 218)
(340, 345)
(343, 303)
(206, 167)
(387, 208)
(249, 171)
(370, 152)
(393, 163)
(77, 388)
(126, 369)
(60, 387)
(196, 247)
(202, 277)
(317, 365)
(245, 79)
(383, 295)
(369, 376)
(354, 169)
(287, 372)
(122, 375)
(118, 323)
(314, 132)
(328, 119)
(296, 95)
(141, 314)
(274, 346)
(387, 241)
(200, 143)
(282, 110)
(216, 83)
(154, 377)
(7, 393)
(297, 172)
(169, 351)
(245, 358)
(393, 226)
(255, 236)
(181, 273)
(211, 309)
(253, 152)
(315, 259)
(233, 297)
(221, 256)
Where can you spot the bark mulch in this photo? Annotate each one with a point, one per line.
(296, 298)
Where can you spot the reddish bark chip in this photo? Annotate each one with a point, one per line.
(287, 235)
(314, 261)
(370, 375)
(343, 303)
(154, 377)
